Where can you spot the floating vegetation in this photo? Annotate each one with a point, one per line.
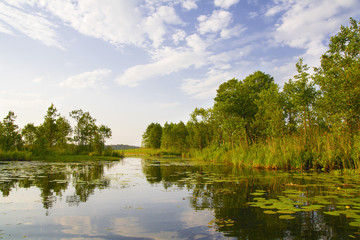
(326, 194)
(286, 217)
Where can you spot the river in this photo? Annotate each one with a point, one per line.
(138, 198)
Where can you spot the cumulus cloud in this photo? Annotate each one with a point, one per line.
(205, 87)
(165, 64)
(189, 4)
(87, 79)
(307, 25)
(218, 21)
(225, 3)
(120, 22)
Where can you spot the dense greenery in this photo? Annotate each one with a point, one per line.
(54, 136)
(313, 122)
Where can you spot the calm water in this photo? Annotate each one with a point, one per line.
(172, 199)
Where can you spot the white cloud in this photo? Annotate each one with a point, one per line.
(218, 21)
(189, 4)
(225, 3)
(87, 79)
(178, 36)
(166, 63)
(196, 43)
(206, 87)
(154, 25)
(117, 22)
(33, 25)
(38, 80)
(309, 24)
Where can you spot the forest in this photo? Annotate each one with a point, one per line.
(312, 122)
(53, 137)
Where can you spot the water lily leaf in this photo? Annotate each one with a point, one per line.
(286, 217)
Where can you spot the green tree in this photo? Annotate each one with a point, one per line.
(199, 128)
(300, 96)
(10, 138)
(87, 135)
(30, 135)
(152, 136)
(235, 105)
(54, 131)
(269, 119)
(338, 79)
(85, 129)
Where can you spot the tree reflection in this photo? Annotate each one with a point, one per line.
(227, 190)
(53, 179)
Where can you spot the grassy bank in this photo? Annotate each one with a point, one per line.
(149, 152)
(324, 152)
(28, 156)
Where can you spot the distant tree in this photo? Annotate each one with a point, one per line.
(54, 131)
(30, 135)
(174, 136)
(87, 135)
(152, 136)
(10, 138)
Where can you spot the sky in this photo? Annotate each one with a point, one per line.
(133, 62)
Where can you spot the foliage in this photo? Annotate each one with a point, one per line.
(152, 136)
(313, 122)
(53, 138)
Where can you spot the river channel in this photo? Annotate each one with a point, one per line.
(138, 198)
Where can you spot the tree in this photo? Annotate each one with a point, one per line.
(199, 128)
(10, 138)
(30, 135)
(55, 130)
(300, 96)
(88, 136)
(235, 103)
(338, 79)
(269, 120)
(152, 136)
(85, 129)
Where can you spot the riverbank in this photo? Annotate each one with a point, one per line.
(29, 156)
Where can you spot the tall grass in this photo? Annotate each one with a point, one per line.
(322, 151)
(15, 156)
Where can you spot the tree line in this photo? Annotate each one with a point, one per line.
(312, 122)
(55, 134)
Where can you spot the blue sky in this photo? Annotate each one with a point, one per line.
(133, 62)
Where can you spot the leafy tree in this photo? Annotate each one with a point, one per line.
(300, 96)
(55, 130)
(10, 138)
(269, 120)
(338, 79)
(30, 135)
(152, 136)
(235, 103)
(174, 136)
(88, 136)
(199, 128)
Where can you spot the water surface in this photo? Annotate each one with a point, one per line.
(173, 199)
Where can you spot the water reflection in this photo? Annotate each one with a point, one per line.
(227, 190)
(52, 179)
(169, 199)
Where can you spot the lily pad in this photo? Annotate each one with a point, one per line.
(286, 217)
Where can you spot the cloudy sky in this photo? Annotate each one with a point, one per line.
(133, 62)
